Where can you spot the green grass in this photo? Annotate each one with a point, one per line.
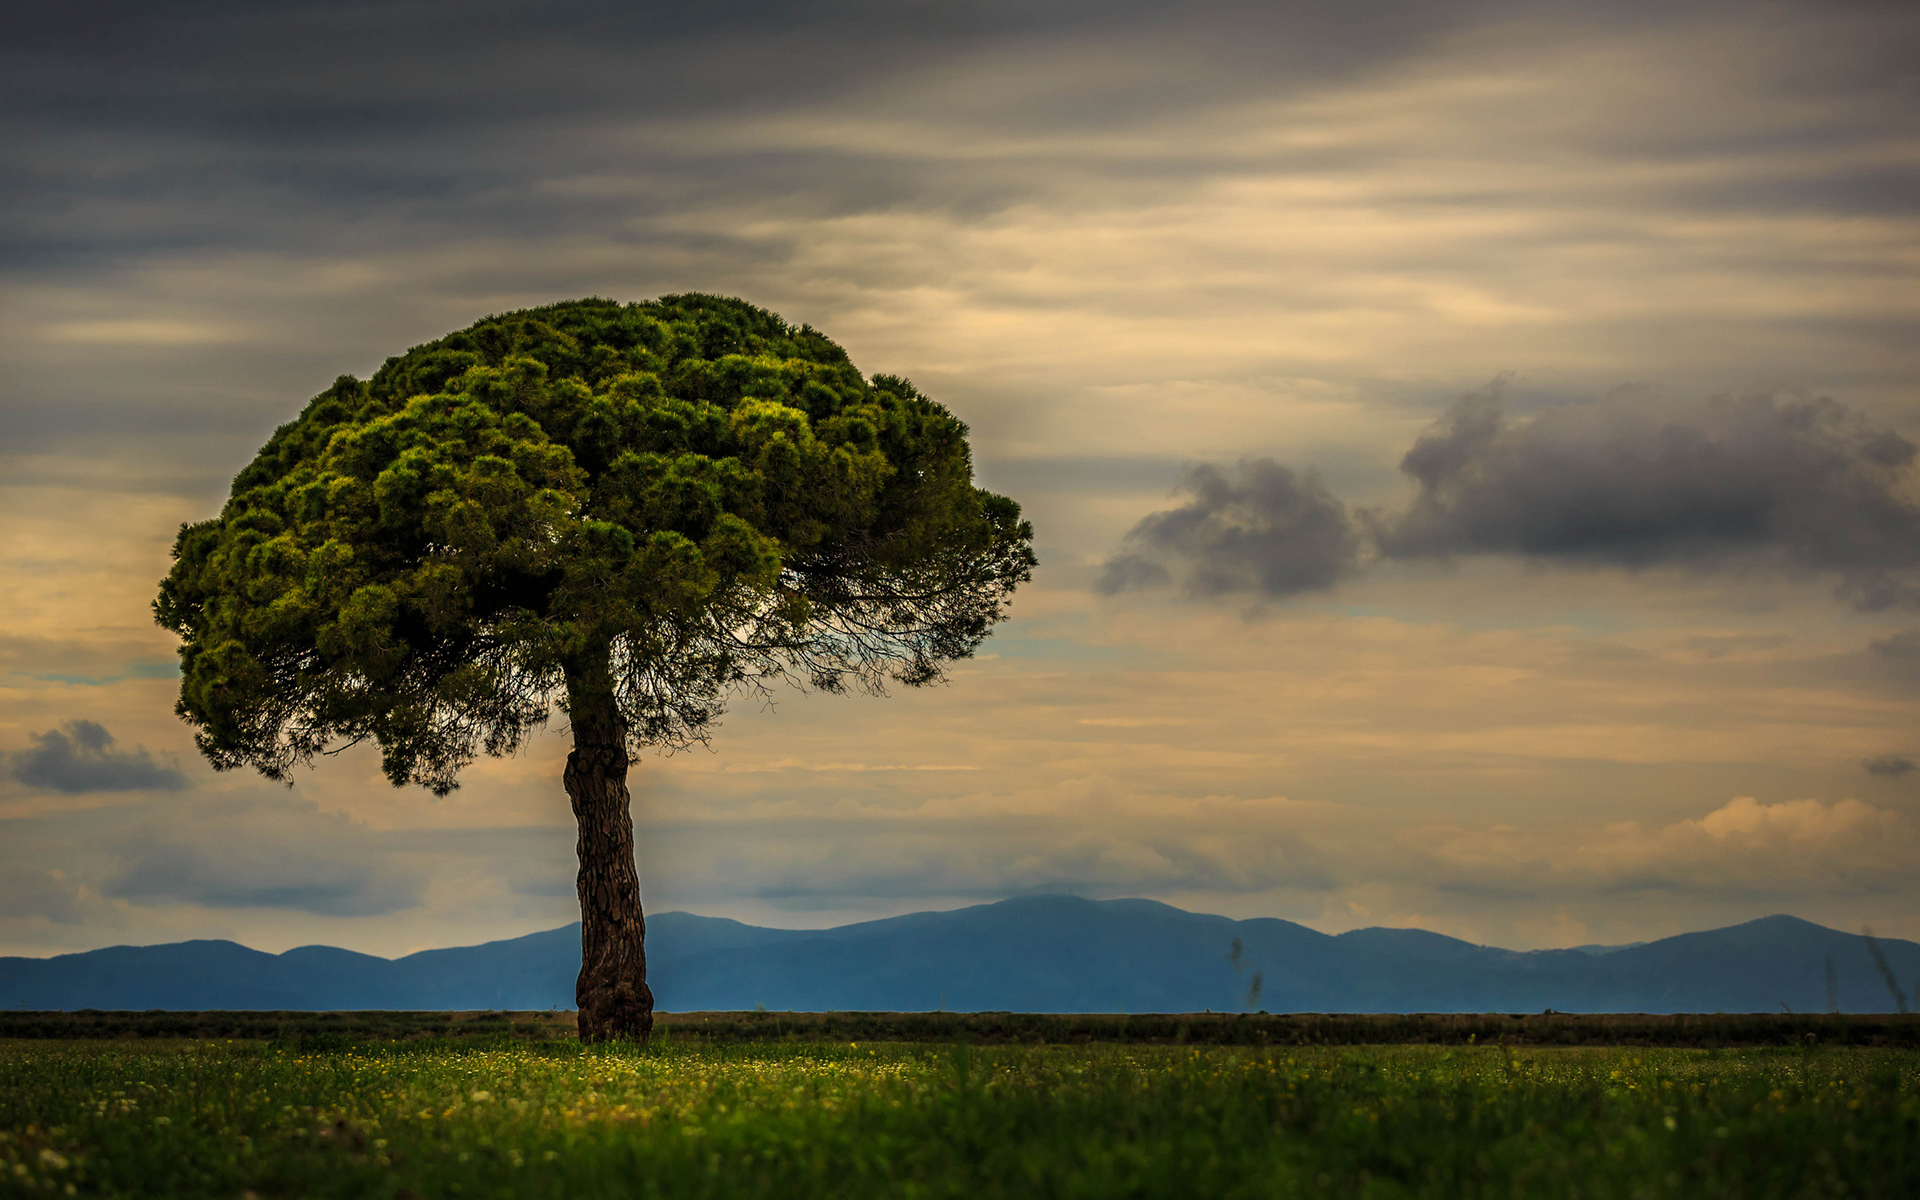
(557, 1119)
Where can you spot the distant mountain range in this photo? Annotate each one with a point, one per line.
(1033, 954)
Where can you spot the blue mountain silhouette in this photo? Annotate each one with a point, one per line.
(1031, 954)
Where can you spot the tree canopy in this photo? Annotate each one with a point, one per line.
(677, 498)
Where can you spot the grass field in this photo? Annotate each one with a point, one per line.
(552, 1118)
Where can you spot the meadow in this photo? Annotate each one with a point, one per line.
(317, 1117)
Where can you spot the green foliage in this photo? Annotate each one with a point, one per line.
(665, 500)
(560, 1120)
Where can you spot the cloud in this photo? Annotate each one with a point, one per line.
(1099, 837)
(80, 758)
(235, 126)
(1745, 845)
(1743, 849)
(1633, 480)
(1896, 658)
(1264, 531)
(1795, 486)
(33, 891)
(1888, 766)
(1092, 835)
(1901, 650)
(271, 851)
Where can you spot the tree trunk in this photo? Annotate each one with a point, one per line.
(612, 993)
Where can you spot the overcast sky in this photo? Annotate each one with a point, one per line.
(1472, 445)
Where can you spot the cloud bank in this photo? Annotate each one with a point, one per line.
(255, 849)
(1635, 481)
(1754, 484)
(1100, 838)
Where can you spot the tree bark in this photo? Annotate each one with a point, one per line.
(611, 993)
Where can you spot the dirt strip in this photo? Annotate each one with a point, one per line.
(993, 1028)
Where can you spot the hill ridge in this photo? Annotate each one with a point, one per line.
(1026, 953)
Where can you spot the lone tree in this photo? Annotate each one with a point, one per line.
(634, 510)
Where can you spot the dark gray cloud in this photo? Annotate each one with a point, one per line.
(1632, 480)
(1802, 486)
(151, 130)
(496, 141)
(1264, 531)
(1889, 766)
(143, 129)
(80, 757)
